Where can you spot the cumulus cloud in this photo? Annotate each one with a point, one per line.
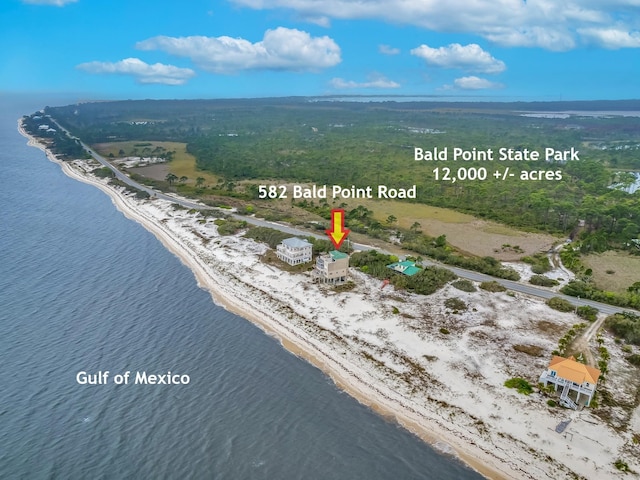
(387, 50)
(143, 72)
(466, 57)
(57, 3)
(550, 24)
(377, 81)
(280, 49)
(475, 83)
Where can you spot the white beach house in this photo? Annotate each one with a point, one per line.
(576, 381)
(294, 251)
(332, 268)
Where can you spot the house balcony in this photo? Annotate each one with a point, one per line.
(544, 378)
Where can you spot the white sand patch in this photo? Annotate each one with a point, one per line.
(133, 162)
(561, 275)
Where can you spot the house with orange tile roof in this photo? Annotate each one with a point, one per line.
(576, 381)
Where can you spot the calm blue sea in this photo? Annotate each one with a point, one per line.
(84, 289)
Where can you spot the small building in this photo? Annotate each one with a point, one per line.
(294, 251)
(332, 267)
(576, 381)
(406, 267)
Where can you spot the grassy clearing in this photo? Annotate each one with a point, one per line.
(502, 230)
(408, 213)
(626, 270)
(467, 233)
(183, 163)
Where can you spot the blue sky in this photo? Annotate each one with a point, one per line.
(494, 49)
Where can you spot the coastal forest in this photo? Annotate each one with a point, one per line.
(590, 195)
(357, 143)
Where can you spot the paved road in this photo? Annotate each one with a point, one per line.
(535, 291)
(468, 274)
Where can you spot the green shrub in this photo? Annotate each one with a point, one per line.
(520, 384)
(455, 304)
(588, 313)
(229, 227)
(587, 290)
(622, 466)
(551, 403)
(625, 325)
(492, 286)
(266, 235)
(539, 263)
(103, 172)
(543, 281)
(539, 269)
(444, 331)
(560, 304)
(634, 359)
(464, 285)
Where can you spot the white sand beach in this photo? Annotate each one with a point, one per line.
(438, 373)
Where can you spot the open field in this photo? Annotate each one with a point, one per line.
(183, 163)
(468, 233)
(626, 270)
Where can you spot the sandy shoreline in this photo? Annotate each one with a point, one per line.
(452, 426)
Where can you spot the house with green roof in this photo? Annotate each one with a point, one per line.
(405, 267)
(332, 267)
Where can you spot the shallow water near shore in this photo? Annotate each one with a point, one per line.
(85, 289)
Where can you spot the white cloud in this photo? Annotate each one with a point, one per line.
(612, 38)
(532, 36)
(376, 81)
(280, 49)
(143, 72)
(466, 57)
(550, 24)
(320, 21)
(475, 83)
(387, 50)
(57, 3)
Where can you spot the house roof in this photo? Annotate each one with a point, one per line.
(406, 268)
(295, 242)
(335, 254)
(576, 372)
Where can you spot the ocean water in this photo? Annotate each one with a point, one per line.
(82, 288)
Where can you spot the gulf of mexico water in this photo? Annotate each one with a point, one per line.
(82, 288)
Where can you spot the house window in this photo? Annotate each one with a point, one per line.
(553, 373)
